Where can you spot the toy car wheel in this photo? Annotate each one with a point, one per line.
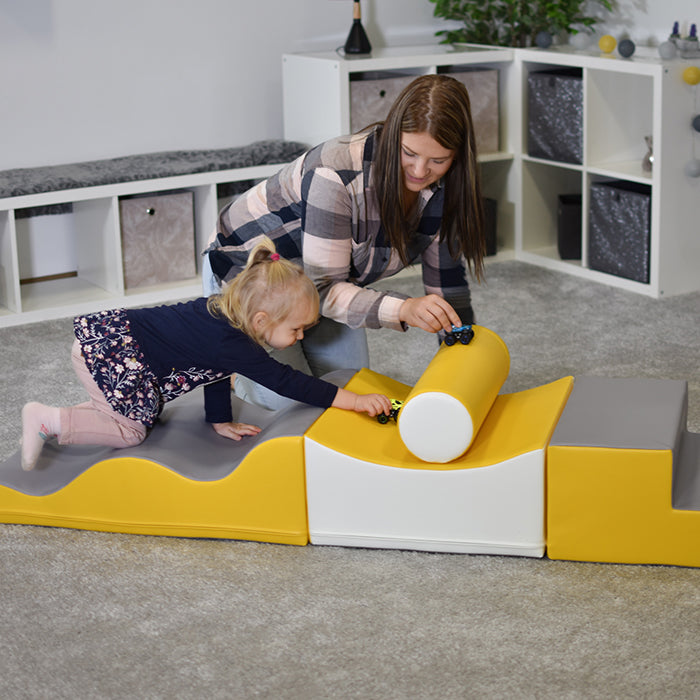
(467, 337)
(450, 339)
(383, 418)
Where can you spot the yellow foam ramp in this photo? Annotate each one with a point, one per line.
(366, 488)
(263, 499)
(624, 475)
(253, 490)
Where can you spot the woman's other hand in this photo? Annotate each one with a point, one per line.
(431, 313)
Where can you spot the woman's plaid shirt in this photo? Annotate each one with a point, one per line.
(322, 211)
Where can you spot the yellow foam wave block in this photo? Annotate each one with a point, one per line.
(516, 424)
(615, 505)
(263, 499)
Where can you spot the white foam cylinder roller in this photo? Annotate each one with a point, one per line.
(448, 404)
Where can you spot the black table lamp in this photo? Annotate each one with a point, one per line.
(357, 42)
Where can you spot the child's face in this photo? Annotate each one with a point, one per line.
(285, 333)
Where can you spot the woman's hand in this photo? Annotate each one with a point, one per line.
(235, 431)
(431, 313)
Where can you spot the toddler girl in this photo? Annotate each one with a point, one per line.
(132, 361)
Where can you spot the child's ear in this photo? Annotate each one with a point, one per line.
(260, 320)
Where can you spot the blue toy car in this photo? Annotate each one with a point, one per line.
(462, 333)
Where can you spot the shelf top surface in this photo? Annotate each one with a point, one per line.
(434, 53)
(645, 59)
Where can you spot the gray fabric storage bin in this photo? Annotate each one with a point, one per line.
(482, 86)
(371, 95)
(158, 243)
(619, 229)
(555, 115)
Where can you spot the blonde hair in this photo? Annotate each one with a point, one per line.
(267, 283)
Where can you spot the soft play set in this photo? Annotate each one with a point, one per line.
(587, 469)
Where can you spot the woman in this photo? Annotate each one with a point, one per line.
(358, 209)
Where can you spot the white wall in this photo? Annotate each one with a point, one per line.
(85, 79)
(88, 79)
(649, 22)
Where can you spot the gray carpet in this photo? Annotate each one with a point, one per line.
(94, 615)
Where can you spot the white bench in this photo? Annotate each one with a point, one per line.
(90, 191)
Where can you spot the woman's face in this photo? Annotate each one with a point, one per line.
(423, 160)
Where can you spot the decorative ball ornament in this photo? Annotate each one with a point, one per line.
(543, 40)
(691, 75)
(692, 168)
(607, 43)
(696, 122)
(580, 41)
(667, 50)
(626, 48)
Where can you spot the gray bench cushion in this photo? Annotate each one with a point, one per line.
(51, 178)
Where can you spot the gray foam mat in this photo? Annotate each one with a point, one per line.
(181, 441)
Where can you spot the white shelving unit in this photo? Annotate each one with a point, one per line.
(99, 283)
(317, 105)
(624, 100)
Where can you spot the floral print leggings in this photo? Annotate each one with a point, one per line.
(95, 422)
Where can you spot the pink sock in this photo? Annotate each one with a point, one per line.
(39, 423)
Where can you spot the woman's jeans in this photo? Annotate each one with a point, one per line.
(326, 347)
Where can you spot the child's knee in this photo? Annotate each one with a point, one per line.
(133, 435)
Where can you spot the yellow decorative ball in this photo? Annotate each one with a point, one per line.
(607, 43)
(691, 75)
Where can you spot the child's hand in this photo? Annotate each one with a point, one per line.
(372, 404)
(235, 431)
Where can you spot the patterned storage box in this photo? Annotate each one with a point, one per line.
(555, 115)
(619, 229)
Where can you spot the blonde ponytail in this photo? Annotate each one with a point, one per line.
(267, 283)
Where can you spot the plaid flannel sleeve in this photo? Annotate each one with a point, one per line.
(335, 253)
(447, 277)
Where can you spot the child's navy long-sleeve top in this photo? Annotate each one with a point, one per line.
(184, 346)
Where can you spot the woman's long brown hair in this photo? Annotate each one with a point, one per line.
(437, 105)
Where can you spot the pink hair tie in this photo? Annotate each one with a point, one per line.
(275, 257)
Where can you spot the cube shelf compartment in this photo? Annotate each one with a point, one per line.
(96, 226)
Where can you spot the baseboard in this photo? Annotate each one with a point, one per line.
(427, 545)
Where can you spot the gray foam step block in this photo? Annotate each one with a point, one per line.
(644, 414)
(641, 414)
